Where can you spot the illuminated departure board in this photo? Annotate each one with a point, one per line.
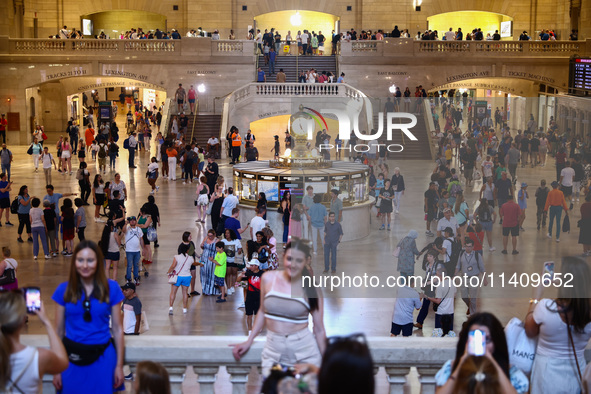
(581, 74)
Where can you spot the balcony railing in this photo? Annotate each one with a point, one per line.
(209, 47)
(206, 354)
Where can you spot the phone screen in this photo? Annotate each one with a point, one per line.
(476, 343)
(548, 274)
(33, 299)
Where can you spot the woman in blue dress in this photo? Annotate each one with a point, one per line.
(85, 303)
(208, 267)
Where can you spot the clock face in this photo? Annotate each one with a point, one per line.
(299, 126)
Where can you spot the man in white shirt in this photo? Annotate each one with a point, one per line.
(230, 202)
(47, 159)
(447, 221)
(445, 295)
(213, 145)
(450, 35)
(132, 310)
(64, 33)
(134, 243)
(132, 147)
(257, 223)
(305, 42)
(566, 181)
(487, 168)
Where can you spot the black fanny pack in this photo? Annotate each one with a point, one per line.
(82, 354)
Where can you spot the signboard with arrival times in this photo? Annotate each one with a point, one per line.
(581, 74)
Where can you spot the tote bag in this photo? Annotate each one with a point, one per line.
(522, 349)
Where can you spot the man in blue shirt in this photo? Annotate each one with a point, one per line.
(232, 223)
(261, 75)
(230, 202)
(272, 57)
(317, 215)
(5, 188)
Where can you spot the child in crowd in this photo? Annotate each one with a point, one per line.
(220, 270)
(443, 203)
(132, 310)
(541, 195)
(94, 148)
(50, 226)
(252, 276)
(407, 300)
(151, 377)
(379, 186)
(522, 197)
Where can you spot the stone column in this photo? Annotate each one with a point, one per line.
(176, 374)
(427, 378)
(397, 378)
(238, 378)
(206, 376)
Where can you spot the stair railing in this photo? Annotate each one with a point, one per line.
(193, 127)
(166, 112)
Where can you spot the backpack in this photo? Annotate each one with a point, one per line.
(126, 143)
(114, 148)
(102, 153)
(14, 206)
(484, 215)
(456, 251)
(80, 174)
(455, 188)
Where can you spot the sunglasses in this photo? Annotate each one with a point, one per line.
(358, 337)
(86, 305)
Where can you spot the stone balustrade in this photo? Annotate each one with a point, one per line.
(206, 354)
(295, 90)
(209, 47)
(393, 46)
(123, 48)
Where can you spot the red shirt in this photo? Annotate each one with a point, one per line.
(3, 123)
(510, 213)
(478, 239)
(560, 158)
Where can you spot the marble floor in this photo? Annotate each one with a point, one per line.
(364, 309)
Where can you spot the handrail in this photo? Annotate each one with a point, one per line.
(166, 111)
(219, 98)
(430, 125)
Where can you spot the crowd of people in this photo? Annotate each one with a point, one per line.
(91, 298)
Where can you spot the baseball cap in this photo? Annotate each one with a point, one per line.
(446, 210)
(554, 184)
(128, 285)
(523, 185)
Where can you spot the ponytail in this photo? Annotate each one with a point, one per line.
(12, 318)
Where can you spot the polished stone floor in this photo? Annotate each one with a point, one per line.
(348, 310)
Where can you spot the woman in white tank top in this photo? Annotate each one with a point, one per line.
(22, 367)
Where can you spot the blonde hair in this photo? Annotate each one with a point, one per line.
(12, 318)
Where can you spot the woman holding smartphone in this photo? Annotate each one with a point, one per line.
(85, 304)
(22, 367)
(511, 379)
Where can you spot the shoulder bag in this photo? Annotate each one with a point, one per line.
(173, 276)
(572, 345)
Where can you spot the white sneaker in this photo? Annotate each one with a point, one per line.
(184, 183)
(549, 236)
(577, 200)
(157, 188)
(492, 249)
(397, 211)
(47, 257)
(99, 220)
(184, 311)
(35, 257)
(557, 239)
(151, 191)
(170, 310)
(242, 306)
(249, 332)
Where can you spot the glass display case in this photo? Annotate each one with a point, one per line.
(350, 179)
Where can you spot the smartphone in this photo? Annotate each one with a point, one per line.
(548, 273)
(476, 343)
(33, 299)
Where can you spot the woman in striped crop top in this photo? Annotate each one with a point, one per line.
(286, 307)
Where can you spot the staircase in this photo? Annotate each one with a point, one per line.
(413, 150)
(206, 125)
(292, 65)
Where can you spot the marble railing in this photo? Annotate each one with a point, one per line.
(206, 354)
(294, 90)
(90, 47)
(392, 47)
(209, 47)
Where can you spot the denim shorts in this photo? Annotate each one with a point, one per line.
(113, 256)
